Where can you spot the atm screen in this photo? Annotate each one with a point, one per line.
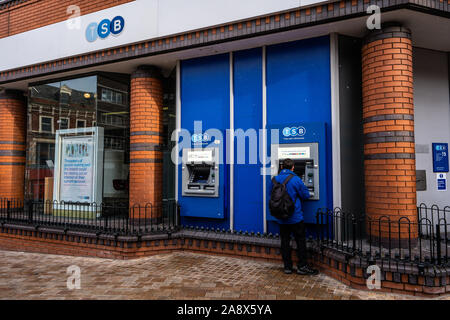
(299, 167)
(200, 175)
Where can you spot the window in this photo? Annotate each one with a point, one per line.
(107, 95)
(112, 96)
(119, 98)
(46, 124)
(63, 123)
(76, 104)
(45, 152)
(81, 123)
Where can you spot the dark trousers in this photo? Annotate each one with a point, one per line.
(298, 230)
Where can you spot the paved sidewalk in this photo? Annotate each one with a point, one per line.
(179, 275)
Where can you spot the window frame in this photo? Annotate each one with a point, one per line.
(52, 124)
(68, 123)
(83, 120)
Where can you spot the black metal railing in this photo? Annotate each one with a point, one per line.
(109, 218)
(401, 241)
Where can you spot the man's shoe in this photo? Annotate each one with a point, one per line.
(307, 271)
(288, 270)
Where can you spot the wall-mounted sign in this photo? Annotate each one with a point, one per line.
(145, 20)
(441, 179)
(103, 29)
(440, 157)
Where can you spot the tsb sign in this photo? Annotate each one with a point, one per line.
(294, 131)
(198, 137)
(103, 29)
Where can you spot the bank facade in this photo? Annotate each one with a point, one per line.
(129, 127)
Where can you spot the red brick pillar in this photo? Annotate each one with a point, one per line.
(12, 144)
(146, 116)
(388, 114)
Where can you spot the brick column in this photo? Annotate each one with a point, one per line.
(146, 116)
(12, 144)
(388, 115)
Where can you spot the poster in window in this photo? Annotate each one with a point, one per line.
(77, 169)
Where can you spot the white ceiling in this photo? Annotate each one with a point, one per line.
(428, 31)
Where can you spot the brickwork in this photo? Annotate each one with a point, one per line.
(146, 126)
(388, 115)
(33, 14)
(12, 144)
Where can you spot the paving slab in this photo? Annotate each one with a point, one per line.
(178, 275)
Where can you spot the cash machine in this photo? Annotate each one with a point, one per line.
(200, 172)
(202, 191)
(306, 145)
(306, 163)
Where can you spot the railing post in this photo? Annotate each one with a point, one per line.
(30, 211)
(419, 218)
(177, 223)
(354, 233)
(438, 244)
(8, 210)
(318, 228)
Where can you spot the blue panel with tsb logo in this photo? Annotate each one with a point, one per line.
(305, 132)
(205, 114)
(299, 105)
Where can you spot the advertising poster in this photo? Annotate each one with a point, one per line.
(77, 164)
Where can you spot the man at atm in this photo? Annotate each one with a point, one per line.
(294, 224)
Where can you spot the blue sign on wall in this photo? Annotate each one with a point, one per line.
(442, 182)
(440, 157)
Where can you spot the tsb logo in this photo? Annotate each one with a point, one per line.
(294, 132)
(198, 137)
(103, 29)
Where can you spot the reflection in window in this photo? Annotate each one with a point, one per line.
(73, 104)
(45, 151)
(46, 124)
(63, 123)
(81, 123)
(112, 96)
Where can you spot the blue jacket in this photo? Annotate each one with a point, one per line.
(297, 191)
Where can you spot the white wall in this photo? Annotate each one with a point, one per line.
(432, 117)
(144, 20)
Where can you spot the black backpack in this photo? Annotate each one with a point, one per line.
(281, 205)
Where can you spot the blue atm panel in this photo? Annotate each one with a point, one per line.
(248, 181)
(205, 101)
(295, 139)
(299, 94)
